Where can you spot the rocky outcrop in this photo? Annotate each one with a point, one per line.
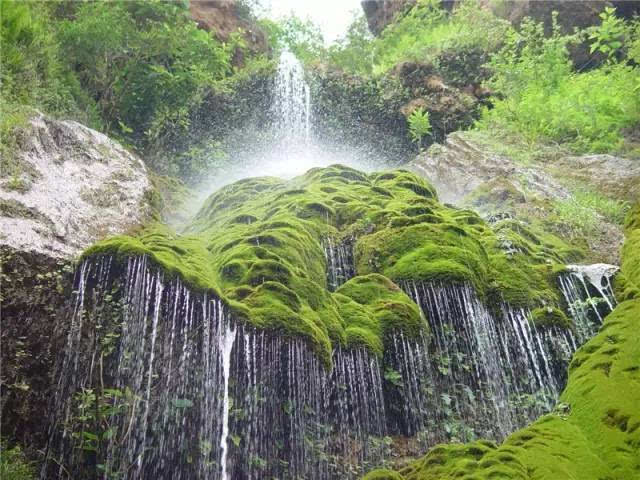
(223, 18)
(68, 187)
(468, 170)
(381, 13)
(71, 186)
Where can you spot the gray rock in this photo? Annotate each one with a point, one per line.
(468, 172)
(74, 186)
(460, 166)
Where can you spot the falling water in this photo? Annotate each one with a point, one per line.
(340, 263)
(589, 295)
(189, 393)
(292, 106)
(226, 344)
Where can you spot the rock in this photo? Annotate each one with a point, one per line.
(74, 187)
(460, 166)
(381, 13)
(223, 18)
(467, 171)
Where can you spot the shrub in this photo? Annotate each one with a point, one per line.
(14, 465)
(419, 125)
(544, 100)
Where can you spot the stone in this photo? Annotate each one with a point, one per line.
(77, 187)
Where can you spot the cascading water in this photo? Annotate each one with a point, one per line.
(589, 296)
(340, 264)
(292, 107)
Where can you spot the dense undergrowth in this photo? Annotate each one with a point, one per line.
(259, 244)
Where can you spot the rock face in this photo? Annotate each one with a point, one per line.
(70, 187)
(223, 18)
(467, 170)
(381, 13)
(74, 186)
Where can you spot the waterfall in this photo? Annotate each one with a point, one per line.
(589, 296)
(226, 344)
(157, 381)
(176, 389)
(340, 263)
(292, 106)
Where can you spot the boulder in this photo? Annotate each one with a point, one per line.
(70, 187)
(223, 18)
(472, 170)
(66, 187)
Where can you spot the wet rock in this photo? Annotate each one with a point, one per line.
(381, 13)
(460, 166)
(76, 187)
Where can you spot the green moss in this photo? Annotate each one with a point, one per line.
(373, 307)
(258, 245)
(550, 316)
(383, 475)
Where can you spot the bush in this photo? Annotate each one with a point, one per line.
(544, 100)
(33, 72)
(428, 30)
(146, 64)
(419, 125)
(13, 464)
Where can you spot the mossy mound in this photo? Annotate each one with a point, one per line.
(258, 244)
(594, 431)
(375, 307)
(549, 317)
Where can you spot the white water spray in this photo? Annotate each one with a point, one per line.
(226, 344)
(292, 106)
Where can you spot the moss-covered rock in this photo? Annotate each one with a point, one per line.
(594, 431)
(258, 245)
(549, 317)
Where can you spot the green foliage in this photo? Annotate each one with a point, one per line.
(546, 101)
(14, 465)
(302, 37)
(33, 68)
(427, 30)
(419, 125)
(608, 37)
(584, 208)
(354, 52)
(146, 64)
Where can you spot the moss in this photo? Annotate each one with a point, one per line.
(383, 475)
(594, 431)
(373, 307)
(549, 317)
(258, 245)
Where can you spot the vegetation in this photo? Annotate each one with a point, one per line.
(14, 465)
(545, 100)
(419, 125)
(137, 70)
(538, 94)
